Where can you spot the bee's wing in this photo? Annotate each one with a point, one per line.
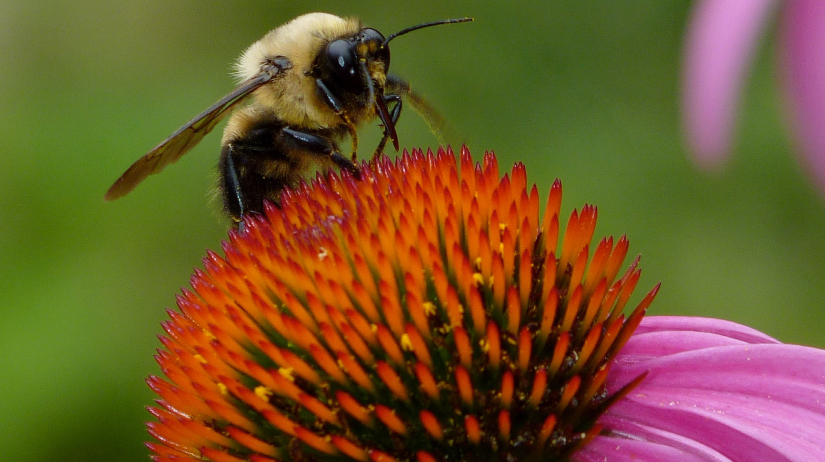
(184, 139)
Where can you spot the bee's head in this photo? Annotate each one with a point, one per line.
(350, 60)
(356, 61)
(355, 67)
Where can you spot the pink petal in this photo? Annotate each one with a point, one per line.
(721, 38)
(725, 329)
(802, 62)
(718, 392)
(619, 449)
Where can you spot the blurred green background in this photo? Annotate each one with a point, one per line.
(583, 91)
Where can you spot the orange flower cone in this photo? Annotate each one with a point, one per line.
(426, 312)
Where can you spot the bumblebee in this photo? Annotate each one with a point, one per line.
(309, 83)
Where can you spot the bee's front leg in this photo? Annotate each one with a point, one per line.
(335, 104)
(394, 115)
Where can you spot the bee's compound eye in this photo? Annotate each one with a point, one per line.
(372, 35)
(343, 63)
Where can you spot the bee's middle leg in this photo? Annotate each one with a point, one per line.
(320, 146)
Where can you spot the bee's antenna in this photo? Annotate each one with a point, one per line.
(421, 26)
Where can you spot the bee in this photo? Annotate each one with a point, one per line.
(310, 83)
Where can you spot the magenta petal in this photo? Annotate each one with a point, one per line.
(802, 62)
(720, 40)
(725, 329)
(719, 392)
(621, 449)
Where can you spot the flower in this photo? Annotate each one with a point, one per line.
(721, 38)
(714, 391)
(427, 312)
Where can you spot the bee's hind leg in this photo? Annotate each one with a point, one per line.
(231, 186)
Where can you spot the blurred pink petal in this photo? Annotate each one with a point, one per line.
(720, 40)
(715, 391)
(802, 62)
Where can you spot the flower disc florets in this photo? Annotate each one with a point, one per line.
(426, 312)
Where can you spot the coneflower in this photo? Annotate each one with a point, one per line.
(429, 312)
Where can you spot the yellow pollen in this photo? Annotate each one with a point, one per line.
(222, 388)
(286, 372)
(322, 253)
(478, 278)
(429, 308)
(200, 358)
(484, 345)
(444, 329)
(263, 392)
(406, 343)
(502, 227)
